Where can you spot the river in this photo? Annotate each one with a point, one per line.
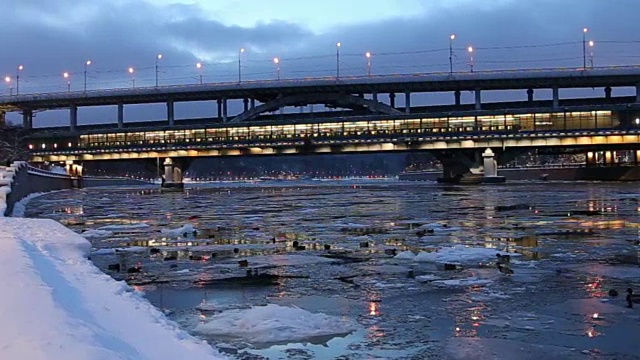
(347, 249)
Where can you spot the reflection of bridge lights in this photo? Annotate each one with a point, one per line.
(373, 309)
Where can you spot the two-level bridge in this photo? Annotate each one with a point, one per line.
(458, 133)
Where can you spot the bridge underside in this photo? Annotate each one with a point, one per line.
(337, 100)
(587, 140)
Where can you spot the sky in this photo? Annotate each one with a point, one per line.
(50, 37)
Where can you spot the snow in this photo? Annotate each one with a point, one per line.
(187, 229)
(405, 255)
(463, 282)
(58, 305)
(460, 254)
(124, 227)
(97, 234)
(6, 179)
(276, 324)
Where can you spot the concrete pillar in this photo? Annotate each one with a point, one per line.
(170, 113)
(407, 102)
(478, 99)
(556, 97)
(246, 104)
(172, 175)
(27, 119)
(392, 100)
(219, 109)
(374, 96)
(456, 95)
(73, 117)
(607, 92)
(253, 104)
(224, 110)
(638, 93)
(530, 95)
(120, 116)
(489, 163)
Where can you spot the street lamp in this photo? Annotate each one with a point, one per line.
(20, 68)
(470, 50)
(86, 65)
(338, 60)
(7, 79)
(451, 38)
(591, 45)
(277, 62)
(199, 67)
(368, 56)
(67, 77)
(584, 47)
(240, 64)
(158, 58)
(133, 77)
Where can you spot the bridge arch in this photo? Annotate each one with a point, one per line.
(347, 101)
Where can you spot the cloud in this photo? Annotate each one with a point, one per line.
(52, 36)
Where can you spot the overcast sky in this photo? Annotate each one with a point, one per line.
(49, 37)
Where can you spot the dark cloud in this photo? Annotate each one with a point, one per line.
(51, 36)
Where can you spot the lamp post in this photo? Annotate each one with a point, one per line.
(7, 79)
(133, 77)
(199, 67)
(584, 47)
(451, 38)
(86, 65)
(276, 61)
(20, 68)
(67, 77)
(368, 56)
(158, 58)
(591, 45)
(240, 64)
(338, 60)
(470, 50)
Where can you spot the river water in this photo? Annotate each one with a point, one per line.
(347, 249)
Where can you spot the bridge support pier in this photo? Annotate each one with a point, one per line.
(219, 109)
(246, 104)
(556, 97)
(170, 113)
(456, 96)
(73, 117)
(253, 103)
(120, 116)
(407, 102)
(224, 110)
(172, 175)
(392, 100)
(469, 167)
(530, 95)
(607, 92)
(27, 119)
(374, 96)
(638, 93)
(478, 93)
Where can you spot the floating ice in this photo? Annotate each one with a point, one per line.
(405, 255)
(463, 282)
(187, 229)
(124, 227)
(460, 254)
(425, 278)
(275, 324)
(96, 234)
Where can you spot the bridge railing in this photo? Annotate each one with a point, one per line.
(552, 71)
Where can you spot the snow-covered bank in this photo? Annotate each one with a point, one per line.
(7, 173)
(57, 305)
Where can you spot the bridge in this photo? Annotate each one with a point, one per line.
(465, 137)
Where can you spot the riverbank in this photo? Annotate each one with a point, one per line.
(58, 305)
(559, 173)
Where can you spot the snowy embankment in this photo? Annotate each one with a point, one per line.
(57, 305)
(6, 179)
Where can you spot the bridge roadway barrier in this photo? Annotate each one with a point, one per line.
(20, 180)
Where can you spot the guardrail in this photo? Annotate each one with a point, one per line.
(561, 71)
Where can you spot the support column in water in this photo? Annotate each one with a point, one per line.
(172, 175)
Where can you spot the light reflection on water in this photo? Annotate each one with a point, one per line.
(549, 228)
